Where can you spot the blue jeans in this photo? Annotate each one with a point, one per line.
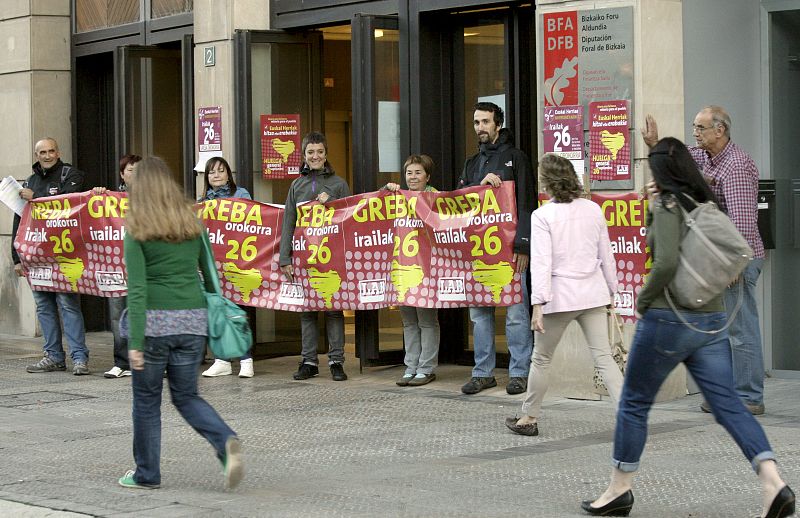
(518, 335)
(745, 336)
(115, 307)
(47, 306)
(180, 355)
(662, 342)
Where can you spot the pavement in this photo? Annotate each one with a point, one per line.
(364, 447)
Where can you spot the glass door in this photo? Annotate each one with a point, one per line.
(377, 157)
(149, 101)
(783, 326)
(276, 73)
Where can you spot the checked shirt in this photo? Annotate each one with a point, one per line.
(734, 181)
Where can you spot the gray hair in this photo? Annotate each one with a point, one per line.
(720, 117)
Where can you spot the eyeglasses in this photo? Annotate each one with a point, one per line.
(699, 129)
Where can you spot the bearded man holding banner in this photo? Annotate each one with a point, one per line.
(497, 161)
(52, 177)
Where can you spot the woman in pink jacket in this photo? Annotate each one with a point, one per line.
(573, 277)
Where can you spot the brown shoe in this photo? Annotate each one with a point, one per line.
(522, 429)
(402, 382)
(476, 384)
(421, 379)
(755, 409)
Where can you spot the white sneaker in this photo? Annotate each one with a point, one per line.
(116, 372)
(246, 368)
(218, 368)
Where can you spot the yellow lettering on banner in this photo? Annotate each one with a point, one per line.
(53, 209)
(468, 204)
(624, 213)
(385, 207)
(222, 210)
(229, 210)
(314, 216)
(107, 207)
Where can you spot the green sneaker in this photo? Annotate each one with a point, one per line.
(128, 481)
(233, 469)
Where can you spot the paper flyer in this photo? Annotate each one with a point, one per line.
(9, 194)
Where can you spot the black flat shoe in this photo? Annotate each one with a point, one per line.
(620, 506)
(522, 429)
(782, 504)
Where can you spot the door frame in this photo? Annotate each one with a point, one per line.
(243, 88)
(366, 159)
(767, 8)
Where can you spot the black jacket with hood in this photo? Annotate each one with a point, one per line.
(509, 163)
(48, 182)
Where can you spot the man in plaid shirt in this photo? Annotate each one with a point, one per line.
(733, 178)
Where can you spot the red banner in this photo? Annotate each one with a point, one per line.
(446, 249)
(245, 237)
(73, 243)
(280, 146)
(625, 217)
(423, 249)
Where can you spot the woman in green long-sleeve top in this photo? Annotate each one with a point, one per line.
(167, 322)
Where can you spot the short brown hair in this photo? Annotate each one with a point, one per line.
(424, 160)
(558, 178)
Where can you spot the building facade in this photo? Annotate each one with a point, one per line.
(108, 78)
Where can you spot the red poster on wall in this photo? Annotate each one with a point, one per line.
(560, 33)
(609, 141)
(280, 146)
(209, 130)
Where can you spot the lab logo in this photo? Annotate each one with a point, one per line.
(110, 281)
(292, 294)
(372, 290)
(623, 303)
(40, 275)
(451, 288)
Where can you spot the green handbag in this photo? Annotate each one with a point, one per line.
(229, 335)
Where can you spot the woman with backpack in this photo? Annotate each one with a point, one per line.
(663, 340)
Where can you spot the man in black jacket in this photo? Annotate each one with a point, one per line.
(497, 161)
(51, 177)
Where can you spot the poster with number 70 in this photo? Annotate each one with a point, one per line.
(563, 134)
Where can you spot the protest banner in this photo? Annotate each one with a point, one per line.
(422, 249)
(73, 243)
(245, 238)
(625, 216)
(446, 249)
